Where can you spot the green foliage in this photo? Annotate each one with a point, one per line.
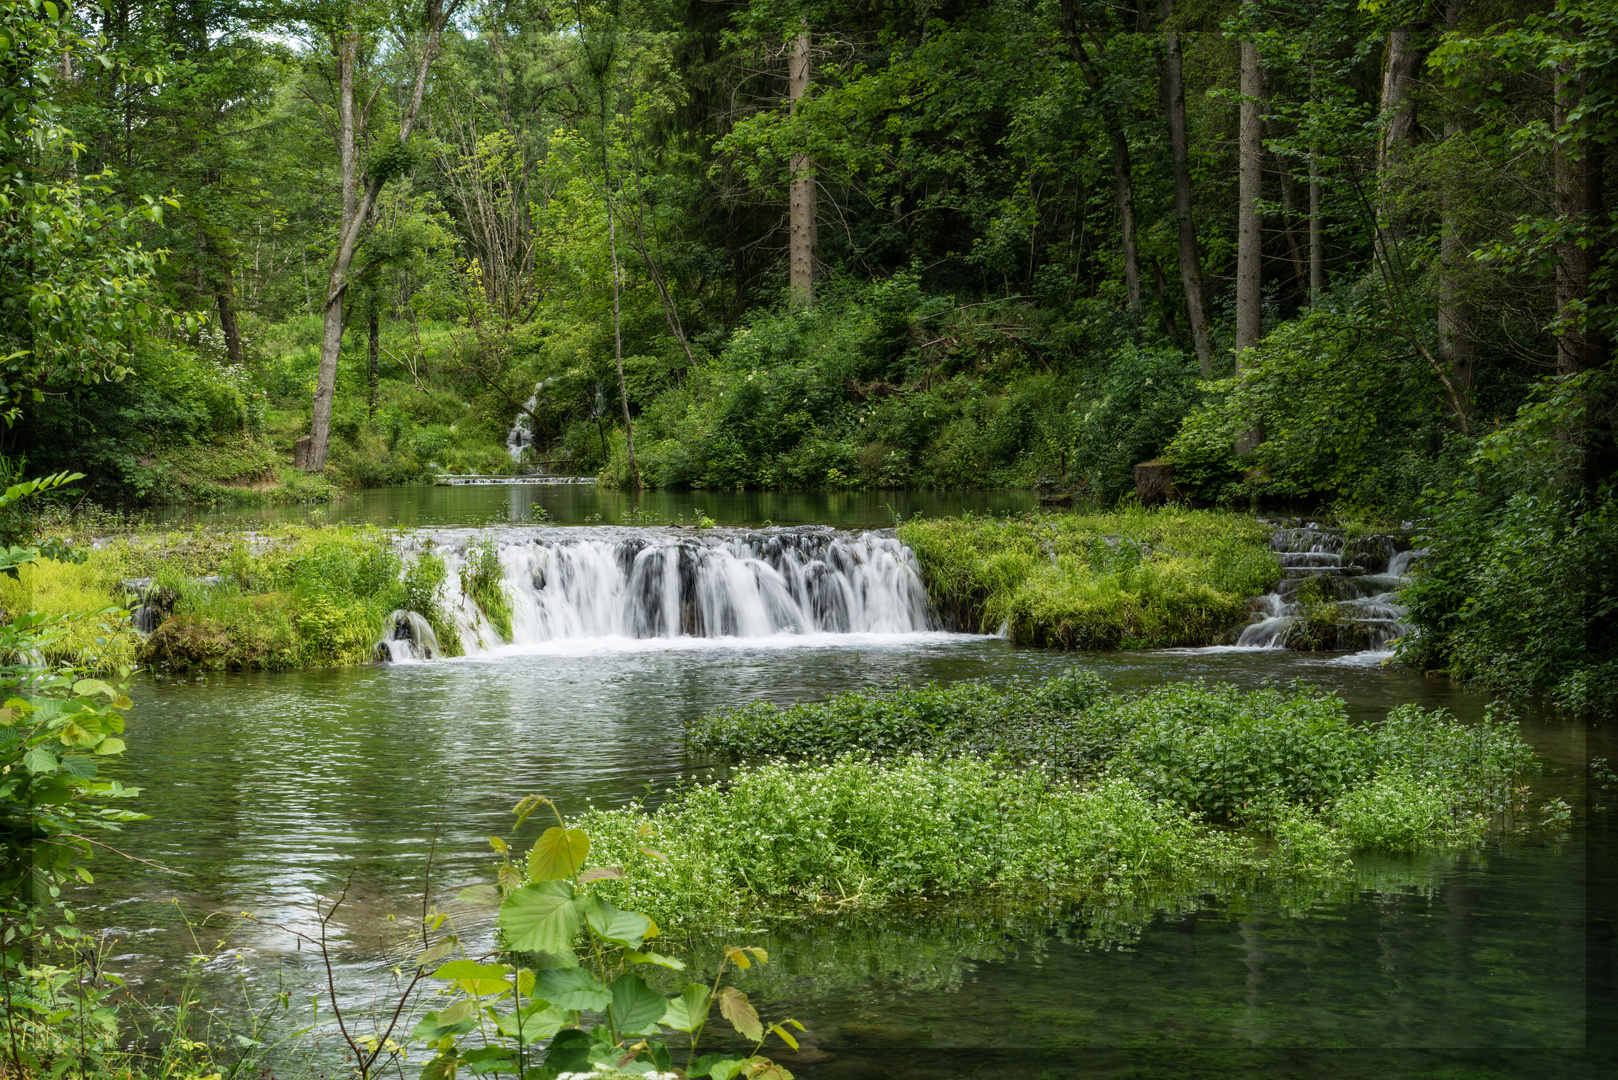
(1130, 579)
(1043, 724)
(1519, 586)
(858, 830)
(57, 727)
(424, 579)
(1286, 763)
(483, 580)
(596, 958)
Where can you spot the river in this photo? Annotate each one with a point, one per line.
(270, 791)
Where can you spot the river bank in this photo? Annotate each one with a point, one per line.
(285, 595)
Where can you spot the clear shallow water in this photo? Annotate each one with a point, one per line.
(586, 504)
(270, 790)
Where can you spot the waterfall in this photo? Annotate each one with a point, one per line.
(521, 435)
(1355, 594)
(568, 584)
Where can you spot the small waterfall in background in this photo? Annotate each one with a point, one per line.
(1336, 594)
(594, 583)
(521, 435)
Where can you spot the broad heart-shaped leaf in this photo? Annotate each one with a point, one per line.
(479, 980)
(619, 927)
(734, 1006)
(542, 917)
(558, 854)
(636, 1007)
(536, 1020)
(689, 1010)
(573, 988)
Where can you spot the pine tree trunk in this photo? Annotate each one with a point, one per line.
(1190, 258)
(1398, 112)
(1250, 223)
(801, 193)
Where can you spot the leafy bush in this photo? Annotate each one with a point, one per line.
(1519, 587)
(1129, 579)
(1284, 762)
(856, 829)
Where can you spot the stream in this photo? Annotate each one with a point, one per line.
(271, 790)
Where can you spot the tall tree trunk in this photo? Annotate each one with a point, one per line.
(1317, 226)
(618, 342)
(617, 288)
(1579, 346)
(801, 193)
(356, 217)
(1072, 16)
(1289, 215)
(1398, 118)
(224, 291)
(1455, 314)
(1250, 223)
(373, 324)
(1196, 308)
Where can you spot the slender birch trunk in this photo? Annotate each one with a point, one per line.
(356, 215)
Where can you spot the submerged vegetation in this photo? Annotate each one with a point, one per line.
(1129, 579)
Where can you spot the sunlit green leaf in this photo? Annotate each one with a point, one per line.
(559, 853)
(541, 917)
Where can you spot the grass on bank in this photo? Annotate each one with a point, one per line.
(1132, 578)
(284, 597)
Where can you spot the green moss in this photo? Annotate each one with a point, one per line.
(1128, 579)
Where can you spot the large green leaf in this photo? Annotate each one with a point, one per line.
(624, 928)
(542, 917)
(536, 1020)
(636, 1007)
(558, 854)
(688, 1011)
(573, 988)
(477, 979)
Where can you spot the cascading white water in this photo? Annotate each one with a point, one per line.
(409, 636)
(1369, 613)
(583, 583)
(521, 435)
